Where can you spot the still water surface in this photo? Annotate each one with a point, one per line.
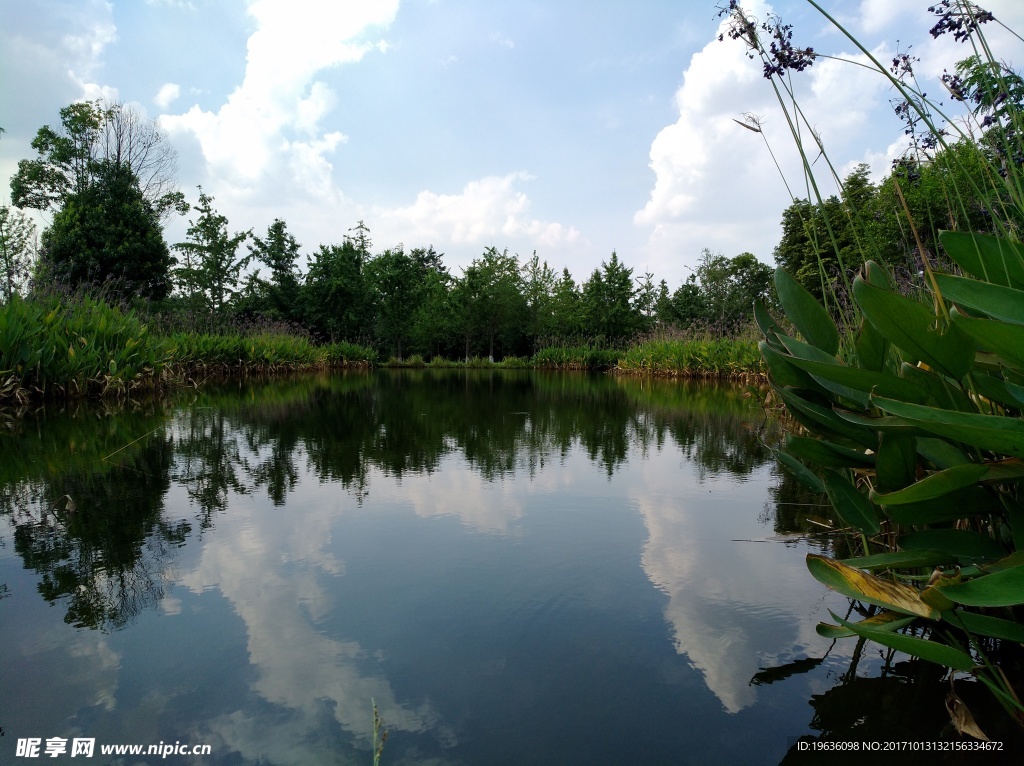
(515, 567)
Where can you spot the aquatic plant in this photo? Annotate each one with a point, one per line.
(912, 408)
(723, 358)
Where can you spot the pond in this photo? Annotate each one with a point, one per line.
(513, 567)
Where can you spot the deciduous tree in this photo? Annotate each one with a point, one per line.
(17, 250)
(211, 270)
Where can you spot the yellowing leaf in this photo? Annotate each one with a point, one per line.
(868, 588)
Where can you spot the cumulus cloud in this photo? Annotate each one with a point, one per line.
(270, 123)
(717, 185)
(84, 49)
(487, 209)
(167, 95)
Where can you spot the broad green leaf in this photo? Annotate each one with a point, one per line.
(966, 546)
(995, 301)
(993, 259)
(1016, 391)
(882, 621)
(876, 275)
(825, 421)
(765, 322)
(986, 625)
(853, 507)
(940, 453)
(881, 424)
(960, 504)
(906, 559)
(910, 326)
(800, 350)
(932, 596)
(871, 346)
(822, 453)
(782, 371)
(808, 316)
(930, 384)
(802, 473)
(896, 461)
(997, 390)
(1002, 588)
(941, 654)
(1004, 339)
(853, 382)
(989, 432)
(936, 485)
(859, 585)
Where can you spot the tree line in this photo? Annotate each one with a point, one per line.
(107, 178)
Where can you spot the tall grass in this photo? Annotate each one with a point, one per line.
(59, 346)
(723, 358)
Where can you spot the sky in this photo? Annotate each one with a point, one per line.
(566, 129)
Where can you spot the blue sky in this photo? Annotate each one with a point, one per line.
(564, 128)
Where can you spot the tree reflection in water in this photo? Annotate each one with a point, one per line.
(111, 557)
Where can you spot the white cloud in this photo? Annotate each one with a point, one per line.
(486, 210)
(503, 41)
(84, 48)
(167, 95)
(269, 125)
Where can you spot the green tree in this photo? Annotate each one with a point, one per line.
(539, 281)
(17, 250)
(279, 252)
(566, 319)
(337, 301)
(821, 243)
(109, 233)
(433, 321)
(491, 305)
(646, 300)
(393, 277)
(607, 301)
(729, 287)
(93, 137)
(211, 270)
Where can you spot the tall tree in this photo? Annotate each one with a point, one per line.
(108, 233)
(17, 250)
(279, 252)
(212, 268)
(394, 280)
(729, 287)
(91, 138)
(539, 282)
(338, 303)
(491, 303)
(608, 306)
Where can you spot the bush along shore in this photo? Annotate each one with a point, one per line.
(54, 347)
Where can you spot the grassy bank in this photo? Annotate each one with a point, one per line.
(53, 347)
